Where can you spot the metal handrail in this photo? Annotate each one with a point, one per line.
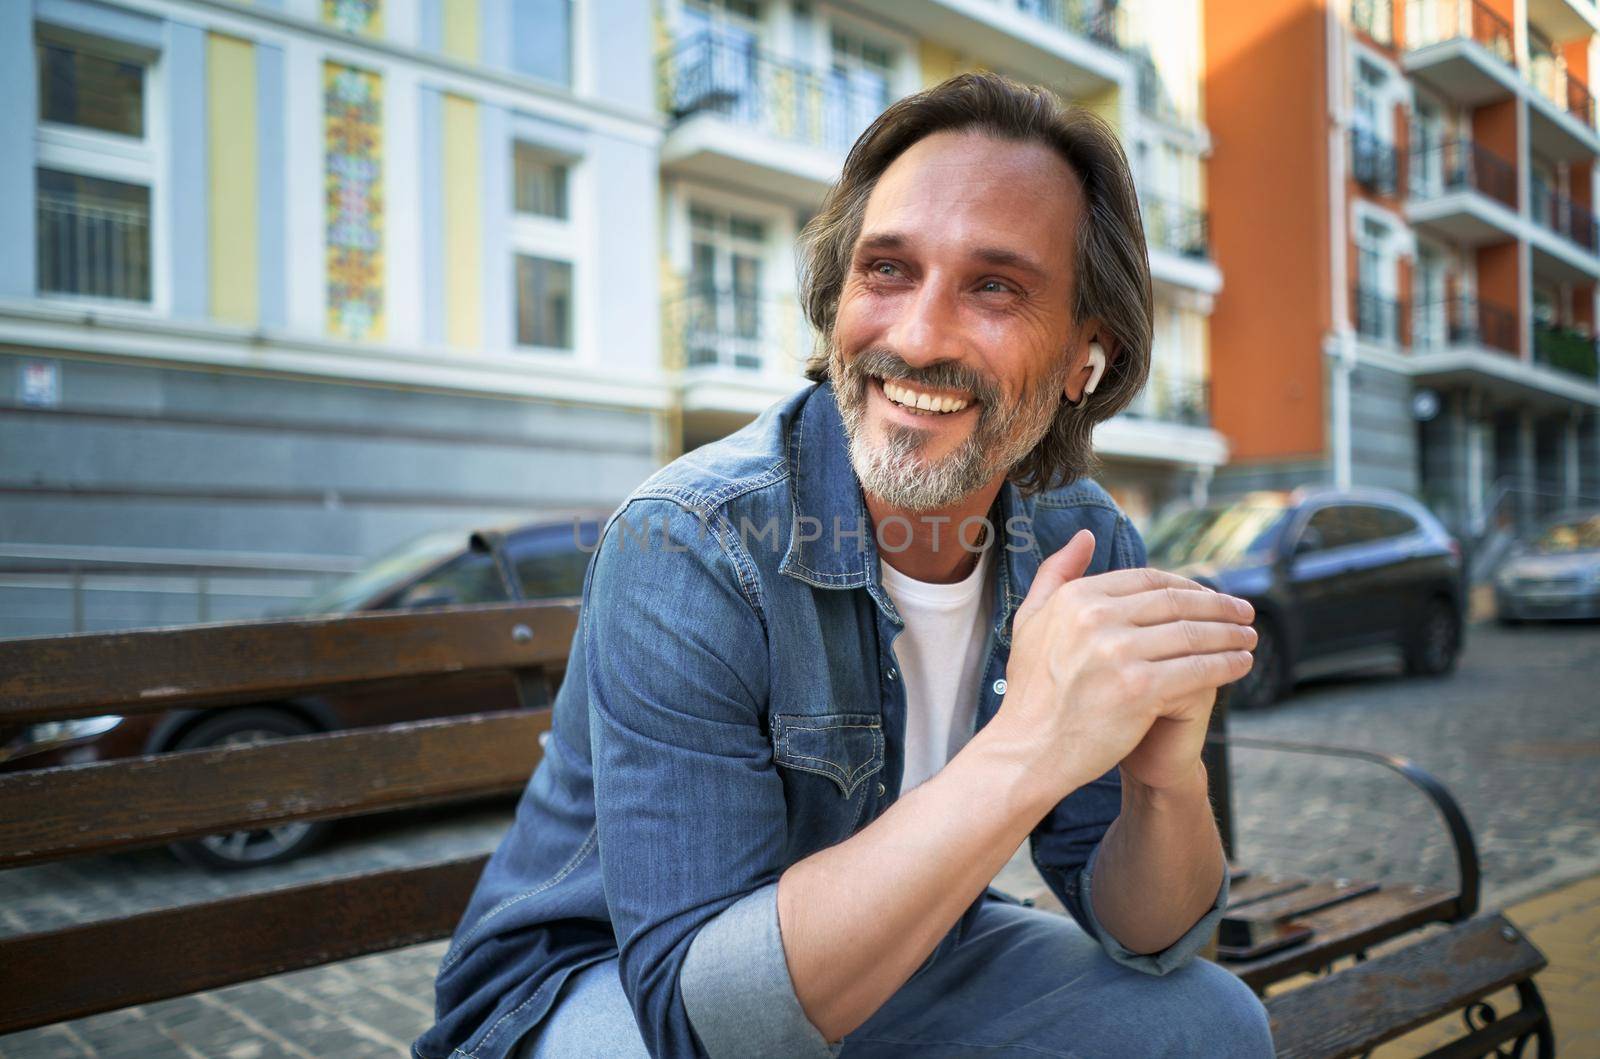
(1466, 848)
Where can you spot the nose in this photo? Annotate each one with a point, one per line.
(925, 329)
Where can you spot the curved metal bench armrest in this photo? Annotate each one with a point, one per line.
(1455, 820)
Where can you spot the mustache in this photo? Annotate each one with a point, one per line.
(945, 375)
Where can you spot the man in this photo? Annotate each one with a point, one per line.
(833, 670)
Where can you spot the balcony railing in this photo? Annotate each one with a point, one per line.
(1559, 214)
(1375, 18)
(1174, 399)
(100, 250)
(1566, 350)
(1103, 21)
(734, 328)
(1433, 21)
(1374, 163)
(1176, 227)
(1464, 321)
(1378, 317)
(1551, 78)
(1461, 165)
(730, 77)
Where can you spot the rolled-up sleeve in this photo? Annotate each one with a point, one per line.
(1168, 959)
(689, 807)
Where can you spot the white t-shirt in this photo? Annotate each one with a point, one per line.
(939, 652)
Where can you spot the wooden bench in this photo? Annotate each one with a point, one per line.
(96, 808)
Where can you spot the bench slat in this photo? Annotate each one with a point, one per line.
(79, 809)
(1296, 904)
(1258, 887)
(1349, 927)
(149, 670)
(1361, 1007)
(84, 970)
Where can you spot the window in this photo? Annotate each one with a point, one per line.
(858, 87)
(541, 39)
(549, 563)
(1329, 528)
(94, 182)
(540, 183)
(470, 578)
(726, 303)
(544, 302)
(543, 243)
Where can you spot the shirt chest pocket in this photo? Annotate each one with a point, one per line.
(845, 747)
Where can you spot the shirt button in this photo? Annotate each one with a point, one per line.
(892, 673)
(1000, 687)
(881, 790)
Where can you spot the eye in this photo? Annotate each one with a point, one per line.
(999, 287)
(876, 265)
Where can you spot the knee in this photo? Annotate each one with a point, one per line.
(1220, 1015)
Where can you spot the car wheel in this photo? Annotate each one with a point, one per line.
(1436, 642)
(235, 850)
(1264, 684)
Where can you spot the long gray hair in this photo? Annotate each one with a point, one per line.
(1112, 266)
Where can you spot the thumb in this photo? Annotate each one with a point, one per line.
(1067, 564)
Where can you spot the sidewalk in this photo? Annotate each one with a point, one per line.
(1565, 925)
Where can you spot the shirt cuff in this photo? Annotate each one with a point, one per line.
(1173, 956)
(737, 990)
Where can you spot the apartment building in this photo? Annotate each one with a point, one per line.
(762, 100)
(1403, 210)
(284, 283)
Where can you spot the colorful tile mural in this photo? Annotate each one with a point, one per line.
(354, 137)
(354, 16)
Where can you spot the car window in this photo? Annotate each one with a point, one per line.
(1569, 534)
(1221, 534)
(549, 563)
(468, 578)
(1364, 524)
(1332, 525)
(1396, 523)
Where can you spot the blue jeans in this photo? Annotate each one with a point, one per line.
(1021, 984)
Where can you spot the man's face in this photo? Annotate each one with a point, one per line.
(958, 296)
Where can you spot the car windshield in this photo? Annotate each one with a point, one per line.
(1580, 534)
(387, 570)
(1223, 533)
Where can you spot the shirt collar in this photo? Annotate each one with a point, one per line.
(831, 544)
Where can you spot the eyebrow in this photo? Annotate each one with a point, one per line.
(993, 255)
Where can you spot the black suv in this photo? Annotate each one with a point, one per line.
(1331, 573)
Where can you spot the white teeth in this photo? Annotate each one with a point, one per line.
(904, 395)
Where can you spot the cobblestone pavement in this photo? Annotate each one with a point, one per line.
(1515, 734)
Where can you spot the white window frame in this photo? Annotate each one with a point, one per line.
(111, 156)
(556, 239)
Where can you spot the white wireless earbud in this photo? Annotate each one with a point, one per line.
(1097, 364)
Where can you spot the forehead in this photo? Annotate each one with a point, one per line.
(953, 192)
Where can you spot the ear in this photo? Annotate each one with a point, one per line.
(1092, 357)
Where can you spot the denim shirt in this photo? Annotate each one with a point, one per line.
(732, 705)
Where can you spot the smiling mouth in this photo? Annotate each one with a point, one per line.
(919, 401)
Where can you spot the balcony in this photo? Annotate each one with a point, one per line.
(1461, 49)
(1379, 318)
(1566, 350)
(738, 350)
(741, 115)
(1561, 110)
(1074, 46)
(93, 238)
(1375, 18)
(1463, 192)
(1179, 239)
(1463, 321)
(1374, 163)
(1565, 242)
(1173, 399)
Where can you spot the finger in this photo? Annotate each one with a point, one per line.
(1175, 639)
(1142, 579)
(1185, 675)
(1175, 604)
(1067, 564)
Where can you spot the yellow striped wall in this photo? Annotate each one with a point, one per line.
(460, 31)
(232, 165)
(462, 148)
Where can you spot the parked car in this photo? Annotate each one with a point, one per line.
(544, 560)
(1554, 574)
(1331, 574)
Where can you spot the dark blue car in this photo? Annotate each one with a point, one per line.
(1334, 575)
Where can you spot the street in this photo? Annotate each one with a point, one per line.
(1514, 734)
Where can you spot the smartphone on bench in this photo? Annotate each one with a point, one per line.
(1243, 938)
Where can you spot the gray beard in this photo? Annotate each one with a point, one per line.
(896, 472)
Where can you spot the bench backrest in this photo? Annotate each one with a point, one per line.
(55, 813)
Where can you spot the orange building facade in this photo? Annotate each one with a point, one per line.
(1401, 198)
